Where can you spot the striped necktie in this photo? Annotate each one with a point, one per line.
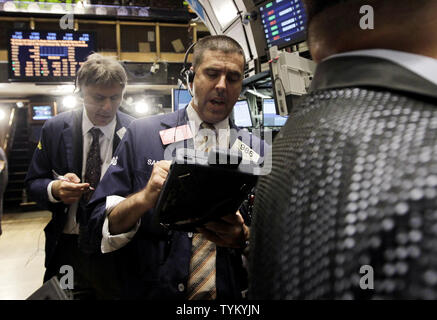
(207, 137)
(202, 278)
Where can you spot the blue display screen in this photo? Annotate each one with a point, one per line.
(42, 112)
(180, 98)
(270, 117)
(284, 22)
(242, 114)
(47, 56)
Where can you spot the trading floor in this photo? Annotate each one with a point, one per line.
(22, 254)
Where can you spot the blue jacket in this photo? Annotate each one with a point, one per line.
(155, 263)
(60, 149)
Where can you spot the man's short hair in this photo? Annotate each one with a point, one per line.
(221, 43)
(102, 71)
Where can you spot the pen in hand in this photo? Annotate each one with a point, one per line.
(61, 177)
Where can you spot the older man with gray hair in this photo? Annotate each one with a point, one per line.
(73, 153)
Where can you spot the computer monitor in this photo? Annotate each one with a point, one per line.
(270, 117)
(242, 115)
(284, 22)
(180, 98)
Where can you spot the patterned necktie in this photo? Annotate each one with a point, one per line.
(209, 138)
(202, 278)
(93, 163)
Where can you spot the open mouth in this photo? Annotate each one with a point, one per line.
(217, 102)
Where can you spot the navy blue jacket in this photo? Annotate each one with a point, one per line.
(155, 263)
(60, 149)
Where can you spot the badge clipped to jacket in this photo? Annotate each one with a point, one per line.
(175, 134)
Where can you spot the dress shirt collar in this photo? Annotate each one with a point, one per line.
(195, 121)
(87, 125)
(423, 66)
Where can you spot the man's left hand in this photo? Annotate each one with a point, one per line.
(229, 231)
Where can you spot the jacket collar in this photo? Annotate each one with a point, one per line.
(73, 138)
(359, 71)
(180, 118)
(175, 119)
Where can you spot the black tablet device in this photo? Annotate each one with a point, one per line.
(196, 192)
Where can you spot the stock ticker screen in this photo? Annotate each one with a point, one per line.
(284, 22)
(47, 56)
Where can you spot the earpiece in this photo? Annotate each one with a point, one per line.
(190, 75)
(187, 75)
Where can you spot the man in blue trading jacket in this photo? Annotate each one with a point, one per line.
(73, 153)
(158, 264)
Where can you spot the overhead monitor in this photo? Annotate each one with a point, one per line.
(228, 17)
(270, 116)
(284, 22)
(40, 112)
(180, 98)
(242, 115)
(47, 56)
(225, 11)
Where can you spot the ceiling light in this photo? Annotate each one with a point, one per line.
(9, 6)
(69, 102)
(57, 8)
(141, 107)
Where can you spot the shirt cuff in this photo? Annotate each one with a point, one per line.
(49, 193)
(114, 242)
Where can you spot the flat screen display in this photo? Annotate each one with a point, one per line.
(225, 11)
(242, 114)
(42, 112)
(270, 117)
(284, 22)
(180, 98)
(47, 56)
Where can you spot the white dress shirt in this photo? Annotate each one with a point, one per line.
(114, 242)
(106, 144)
(423, 66)
(222, 128)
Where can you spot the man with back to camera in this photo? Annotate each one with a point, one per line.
(356, 216)
(73, 153)
(161, 264)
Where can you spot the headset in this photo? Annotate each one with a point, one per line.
(187, 75)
